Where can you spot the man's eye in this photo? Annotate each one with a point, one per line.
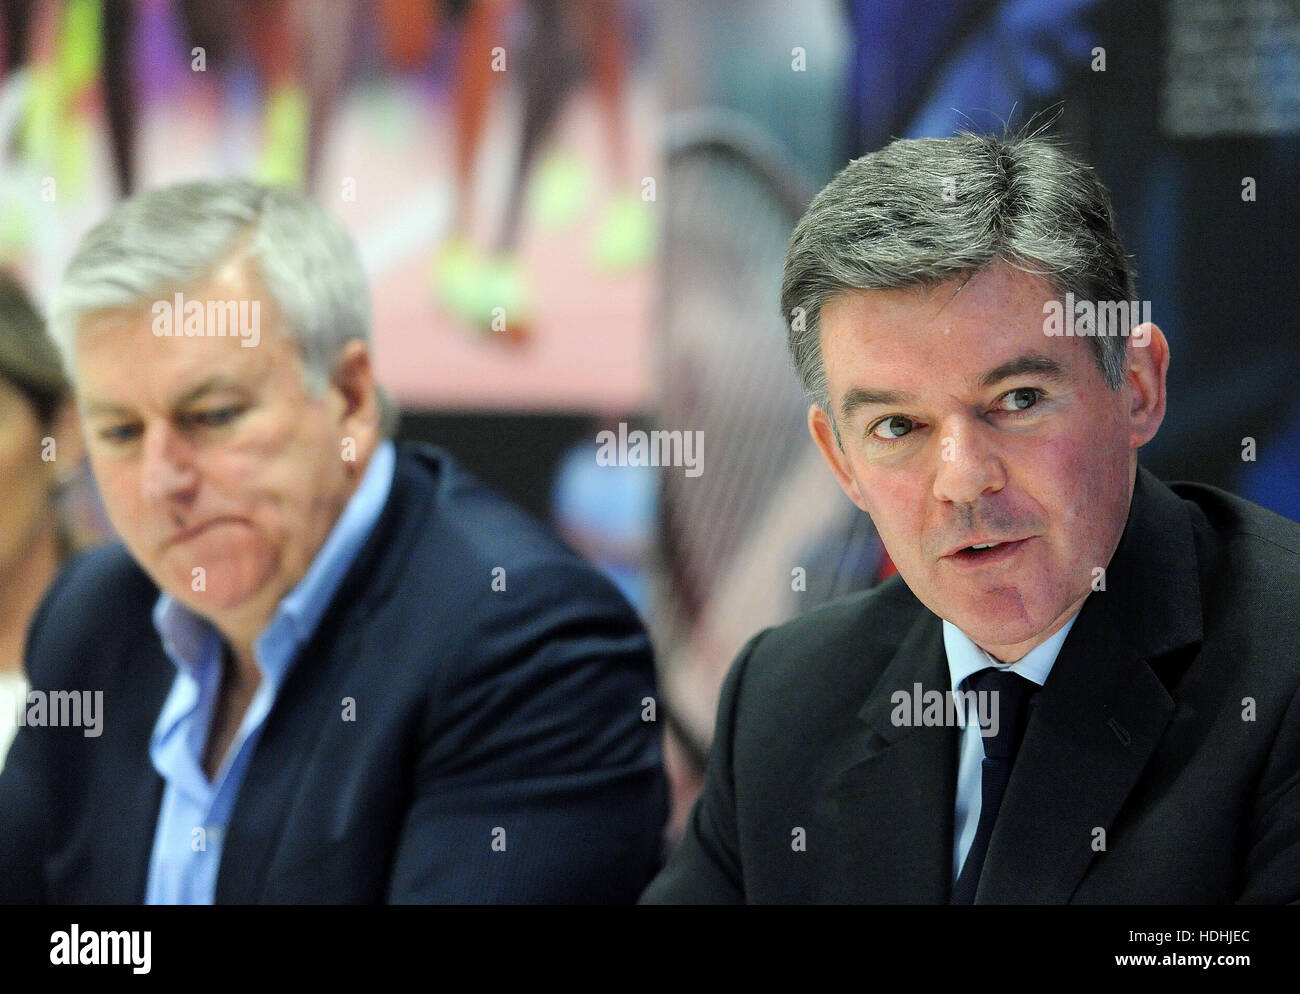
(214, 418)
(892, 428)
(1020, 399)
(119, 434)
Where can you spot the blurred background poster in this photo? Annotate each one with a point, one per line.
(573, 216)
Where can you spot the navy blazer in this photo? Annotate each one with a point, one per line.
(1161, 764)
(510, 716)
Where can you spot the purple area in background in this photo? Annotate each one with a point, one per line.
(898, 43)
(160, 52)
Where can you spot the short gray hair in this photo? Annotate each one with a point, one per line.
(923, 211)
(171, 238)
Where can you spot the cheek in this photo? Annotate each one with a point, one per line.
(1084, 494)
(24, 484)
(1084, 482)
(15, 464)
(893, 500)
(1064, 471)
(277, 477)
(266, 461)
(119, 489)
(290, 469)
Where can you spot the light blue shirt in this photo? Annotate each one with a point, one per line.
(195, 811)
(965, 658)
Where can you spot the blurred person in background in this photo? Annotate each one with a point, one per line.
(39, 450)
(475, 276)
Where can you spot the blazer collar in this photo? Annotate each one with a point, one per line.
(1154, 572)
(892, 797)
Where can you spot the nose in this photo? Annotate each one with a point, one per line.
(969, 464)
(168, 474)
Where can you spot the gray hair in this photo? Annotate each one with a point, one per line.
(174, 237)
(923, 211)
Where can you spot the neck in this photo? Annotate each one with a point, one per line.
(240, 639)
(241, 674)
(22, 585)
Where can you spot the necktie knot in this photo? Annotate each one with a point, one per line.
(1008, 694)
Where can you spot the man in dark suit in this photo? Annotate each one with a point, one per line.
(328, 669)
(1082, 686)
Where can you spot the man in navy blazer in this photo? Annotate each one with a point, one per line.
(326, 669)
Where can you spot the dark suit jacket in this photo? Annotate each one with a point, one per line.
(475, 710)
(1138, 731)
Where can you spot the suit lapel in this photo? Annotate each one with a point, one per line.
(1098, 718)
(276, 773)
(892, 798)
(1102, 711)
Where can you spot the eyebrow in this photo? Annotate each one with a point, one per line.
(1027, 364)
(864, 397)
(213, 384)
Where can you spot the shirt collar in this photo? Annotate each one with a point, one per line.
(184, 633)
(966, 658)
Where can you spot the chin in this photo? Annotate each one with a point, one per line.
(215, 602)
(997, 620)
(1005, 637)
(225, 587)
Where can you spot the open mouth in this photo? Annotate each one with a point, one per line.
(987, 553)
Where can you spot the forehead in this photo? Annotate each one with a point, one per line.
(120, 359)
(962, 327)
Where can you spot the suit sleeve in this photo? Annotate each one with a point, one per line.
(538, 779)
(706, 869)
(23, 796)
(1273, 857)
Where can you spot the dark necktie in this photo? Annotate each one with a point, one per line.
(1012, 694)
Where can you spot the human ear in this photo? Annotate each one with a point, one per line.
(1148, 363)
(823, 433)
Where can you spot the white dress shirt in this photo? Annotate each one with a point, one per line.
(13, 699)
